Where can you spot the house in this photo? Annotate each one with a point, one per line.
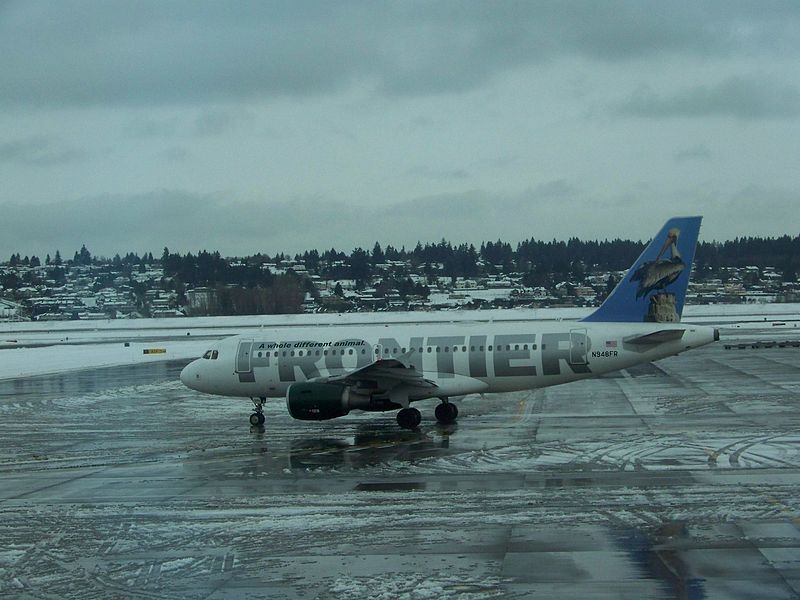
(10, 311)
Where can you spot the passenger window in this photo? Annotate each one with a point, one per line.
(490, 348)
(525, 347)
(215, 354)
(429, 349)
(516, 347)
(447, 348)
(350, 352)
(481, 348)
(533, 347)
(463, 348)
(472, 348)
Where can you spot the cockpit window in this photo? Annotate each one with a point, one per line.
(207, 355)
(214, 355)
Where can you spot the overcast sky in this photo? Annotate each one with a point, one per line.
(260, 126)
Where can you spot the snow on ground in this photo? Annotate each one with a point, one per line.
(26, 362)
(223, 325)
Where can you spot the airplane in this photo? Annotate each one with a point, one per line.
(324, 372)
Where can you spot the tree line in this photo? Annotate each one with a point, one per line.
(250, 285)
(537, 260)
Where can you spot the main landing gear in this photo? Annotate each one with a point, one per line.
(257, 418)
(410, 418)
(446, 412)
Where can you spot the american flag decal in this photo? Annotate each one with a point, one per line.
(611, 343)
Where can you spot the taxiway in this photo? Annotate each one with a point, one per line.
(674, 480)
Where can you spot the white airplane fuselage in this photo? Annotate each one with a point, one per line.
(326, 371)
(458, 358)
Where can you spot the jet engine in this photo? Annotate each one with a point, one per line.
(317, 401)
(321, 401)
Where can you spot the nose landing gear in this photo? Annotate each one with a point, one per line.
(257, 418)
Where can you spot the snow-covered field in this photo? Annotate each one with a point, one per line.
(25, 362)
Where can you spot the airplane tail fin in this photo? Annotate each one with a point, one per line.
(654, 288)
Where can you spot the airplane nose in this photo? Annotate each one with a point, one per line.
(189, 375)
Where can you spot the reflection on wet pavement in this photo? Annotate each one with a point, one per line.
(676, 480)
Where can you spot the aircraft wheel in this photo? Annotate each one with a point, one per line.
(256, 419)
(446, 413)
(409, 418)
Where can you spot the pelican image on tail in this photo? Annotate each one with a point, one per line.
(659, 273)
(656, 275)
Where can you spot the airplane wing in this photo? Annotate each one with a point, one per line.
(387, 373)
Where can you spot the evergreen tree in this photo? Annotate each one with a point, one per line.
(359, 265)
(377, 254)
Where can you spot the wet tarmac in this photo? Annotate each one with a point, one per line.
(674, 480)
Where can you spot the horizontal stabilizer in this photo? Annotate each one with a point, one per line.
(657, 337)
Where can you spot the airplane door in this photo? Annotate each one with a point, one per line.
(578, 349)
(243, 356)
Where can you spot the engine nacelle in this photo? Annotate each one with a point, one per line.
(317, 401)
(321, 401)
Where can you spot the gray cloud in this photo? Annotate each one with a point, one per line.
(177, 153)
(217, 122)
(740, 97)
(558, 189)
(190, 222)
(440, 174)
(207, 123)
(38, 151)
(760, 206)
(145, 53)
(151, 128)
(396, 121)
(692, 153)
